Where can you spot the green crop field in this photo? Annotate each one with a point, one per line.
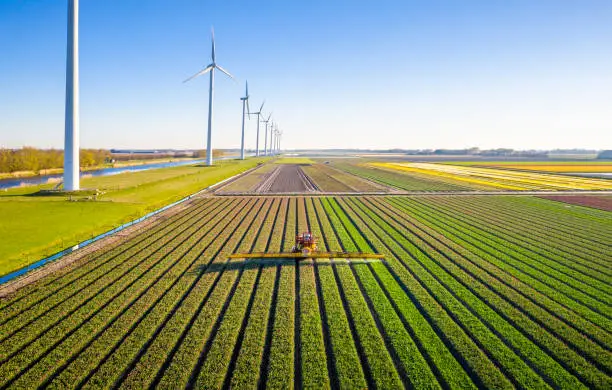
(33, 227)
(406, 181)
(474, 291)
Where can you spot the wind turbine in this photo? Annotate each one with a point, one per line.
(272, 137)
(275, 143)
(280, 135)
(258, 113)
(266, 139)
(276, 138)
(71, 129)
(210, 68)
(245, 103)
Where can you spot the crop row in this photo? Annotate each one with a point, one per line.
(405, 181)
(501, 178)
(516, 316)
(104, 311)
(517, 263)
(519, 343)
(95, 264)
(564, 267)
(457, 302)
(478, 261)
(21, 330)
(570, 251)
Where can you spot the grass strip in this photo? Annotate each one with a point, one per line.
(57, 287)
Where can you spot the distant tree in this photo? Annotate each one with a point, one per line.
(35, 160)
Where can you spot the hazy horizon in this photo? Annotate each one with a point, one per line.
(338, 75)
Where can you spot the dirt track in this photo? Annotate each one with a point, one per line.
(423, 193)
(286, 178)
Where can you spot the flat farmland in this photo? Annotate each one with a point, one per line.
(33, 227)
(401, 180)
(505, 179)
(545, 166)
(289, 177)
(474, 291)
(596, 201)
(272, 178)
(330, 179)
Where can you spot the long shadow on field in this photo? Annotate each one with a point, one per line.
(239, 264)
(247, 264)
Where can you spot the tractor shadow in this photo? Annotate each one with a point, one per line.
(248, 264)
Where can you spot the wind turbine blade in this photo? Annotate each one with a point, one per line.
(225, 71)
(200, 73)
(212, 32)
(247, 90)
(269, 116)
(248, 108)
(261, 108)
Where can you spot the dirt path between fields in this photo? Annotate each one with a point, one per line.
(421, 193)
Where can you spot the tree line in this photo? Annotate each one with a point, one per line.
(36, 160)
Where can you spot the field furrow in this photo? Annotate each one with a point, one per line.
(473, 291)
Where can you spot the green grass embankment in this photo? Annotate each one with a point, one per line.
(33, 227)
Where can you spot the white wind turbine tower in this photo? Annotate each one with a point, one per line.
(245, 104)
(210, 68)
(258, 113)
(273, 137)
(276, 137)
(275, 132)
(266, 138)
(71, 130)
(278, 145)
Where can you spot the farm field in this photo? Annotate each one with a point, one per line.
(543, 166)
(272, 178)
(497, 178)
(329, 179)
(475, 291)
(407, 181)
(251, 181)
(292, 177)
(33, 227)
(599, 202)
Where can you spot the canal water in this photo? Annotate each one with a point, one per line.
(56, 178)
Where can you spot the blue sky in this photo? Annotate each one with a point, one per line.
(336, 74)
